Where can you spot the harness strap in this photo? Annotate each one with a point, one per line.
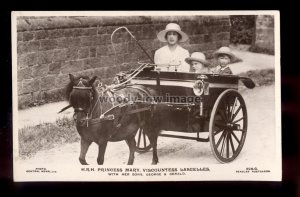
(119, 116)
(138, 114)
(139, 110)
(119, 120)
(144, 90)
(100, 120)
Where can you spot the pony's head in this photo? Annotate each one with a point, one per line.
(80, 93)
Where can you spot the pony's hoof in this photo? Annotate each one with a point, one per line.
(154, 162)
(83, 162)
(100, 162)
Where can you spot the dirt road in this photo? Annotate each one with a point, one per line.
(259, 145)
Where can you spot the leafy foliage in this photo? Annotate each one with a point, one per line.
(261, 77)
(262, 50)
(242, 29)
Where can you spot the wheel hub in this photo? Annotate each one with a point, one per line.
(232, 126)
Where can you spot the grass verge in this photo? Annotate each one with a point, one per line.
(46, 136)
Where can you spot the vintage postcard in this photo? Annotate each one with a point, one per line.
(146, 96)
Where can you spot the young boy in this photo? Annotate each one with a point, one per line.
(198, 63)
(224, 57)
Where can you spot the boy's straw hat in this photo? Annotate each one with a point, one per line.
(197, 56)
(172, 27)
(226, 51)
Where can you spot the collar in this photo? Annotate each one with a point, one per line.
(222, 68)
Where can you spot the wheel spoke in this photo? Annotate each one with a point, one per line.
(217, 129)
(235, 137)
(227, 145)
(144, 135)
(231, 113)
(223, 143)
(225, 107)
(217, 132)
(228, 112)
(232, 145)
(242, 130)
(139, 138)
(238, 120)
(220, 124)
(237, 111)
(220, 139)
(223, 104)
(223, 116)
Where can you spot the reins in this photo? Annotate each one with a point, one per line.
(103, 116)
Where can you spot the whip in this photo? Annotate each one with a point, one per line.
(123, 27)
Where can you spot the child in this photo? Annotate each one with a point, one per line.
(198, 63)
(224, 57)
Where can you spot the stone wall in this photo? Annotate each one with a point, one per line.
(264, 34)
(49, 48)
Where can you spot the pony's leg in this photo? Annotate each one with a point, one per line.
(153, 141)
(101, 152)
(131, 144)
(84, 146)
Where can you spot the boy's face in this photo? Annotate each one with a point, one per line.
(172, 37)
(196, 66)
(224, 60)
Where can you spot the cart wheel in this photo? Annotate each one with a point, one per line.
(228, 126)
(143, 142)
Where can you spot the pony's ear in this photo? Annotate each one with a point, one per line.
(92, 80)
(71, 77)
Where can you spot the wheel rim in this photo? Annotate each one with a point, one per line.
(142, 141)
(228, 126)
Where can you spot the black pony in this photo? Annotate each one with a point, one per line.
(84, 97)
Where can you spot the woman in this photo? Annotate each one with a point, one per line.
(172, 56)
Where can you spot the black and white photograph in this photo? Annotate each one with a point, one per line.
(146, 96)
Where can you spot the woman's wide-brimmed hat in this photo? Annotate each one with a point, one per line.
(226, 51)
(197, 56)
(172, 27)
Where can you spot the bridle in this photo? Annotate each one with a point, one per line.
(81, 86)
